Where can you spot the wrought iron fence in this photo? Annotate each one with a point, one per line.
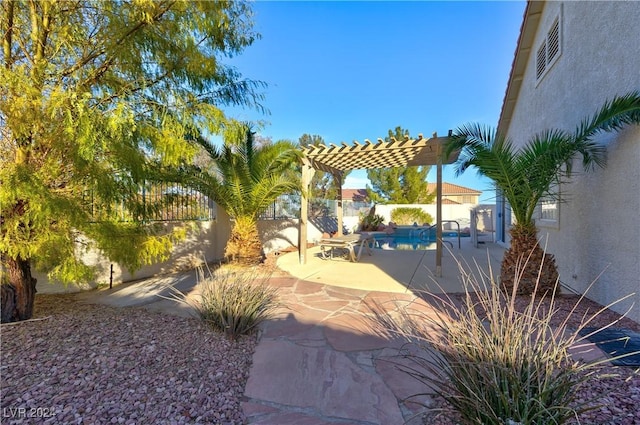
(288, 206)
(155, 202)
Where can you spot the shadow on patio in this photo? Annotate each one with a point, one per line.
(396, 271)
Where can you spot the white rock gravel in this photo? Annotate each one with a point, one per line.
(92, 364)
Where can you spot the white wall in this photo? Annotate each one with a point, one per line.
(282, 234)
(459, 212)
(598, 230)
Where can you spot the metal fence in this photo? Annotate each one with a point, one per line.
(288, 206)
(153, 203)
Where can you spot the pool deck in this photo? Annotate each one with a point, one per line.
(397, 271)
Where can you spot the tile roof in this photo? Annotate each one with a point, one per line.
(446, 201)
(354, 194)
(448, 189)
(453, 189)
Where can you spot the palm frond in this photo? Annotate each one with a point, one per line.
(494, 157)
(613, 116)
(528, 174)
(212, 150)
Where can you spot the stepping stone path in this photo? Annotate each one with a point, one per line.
(319, 362)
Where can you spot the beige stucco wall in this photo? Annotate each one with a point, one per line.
(282, 234)
(205, 240)
(598, 233)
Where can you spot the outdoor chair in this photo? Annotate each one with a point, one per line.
(347, 243)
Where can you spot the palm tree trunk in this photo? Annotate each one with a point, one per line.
(526, 266)
(244, 244)
(19, 291)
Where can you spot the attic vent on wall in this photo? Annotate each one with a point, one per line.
(549, 50)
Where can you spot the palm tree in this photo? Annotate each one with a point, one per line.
(533, 172)
(245, 180)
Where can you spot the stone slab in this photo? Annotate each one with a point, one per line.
(320, 379)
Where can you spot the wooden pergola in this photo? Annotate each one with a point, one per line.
(336, 160)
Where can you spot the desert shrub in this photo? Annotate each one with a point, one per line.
(490, 362)
(370, 222)
(234, 302)
(407, 215)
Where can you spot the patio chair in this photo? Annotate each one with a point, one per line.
(347, 243)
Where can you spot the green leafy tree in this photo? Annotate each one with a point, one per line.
(533, 172)
(96, 98)
(399, 185)
(245, 180)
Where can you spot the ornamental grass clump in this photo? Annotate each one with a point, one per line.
(232, 301)
(491, 362)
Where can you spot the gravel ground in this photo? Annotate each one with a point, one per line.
(616, 390)
(92, 364)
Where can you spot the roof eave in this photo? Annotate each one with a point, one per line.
(528, 29)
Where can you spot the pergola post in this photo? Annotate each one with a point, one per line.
(337, 177)
(438, 208)
(307, 175)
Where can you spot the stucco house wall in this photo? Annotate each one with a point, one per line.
(597, 235)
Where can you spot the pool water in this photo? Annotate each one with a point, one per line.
(403, 243)
(411, 241)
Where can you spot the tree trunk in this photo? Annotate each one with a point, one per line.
(525, 264)
(244, 244)
(18, 291)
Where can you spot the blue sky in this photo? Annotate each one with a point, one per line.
(353, 70)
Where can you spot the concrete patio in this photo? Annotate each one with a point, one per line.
(397, 271)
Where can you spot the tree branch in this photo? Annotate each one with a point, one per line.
(8, 5)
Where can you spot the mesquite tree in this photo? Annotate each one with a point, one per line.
(97, 97)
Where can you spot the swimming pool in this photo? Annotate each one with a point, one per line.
(403, 243)
(414, 239)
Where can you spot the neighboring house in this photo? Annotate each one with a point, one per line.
(355, 195)
(571, 57)
(451, 194)
(454, 194)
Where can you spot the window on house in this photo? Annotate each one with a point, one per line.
(549, 50)
(548, 211)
